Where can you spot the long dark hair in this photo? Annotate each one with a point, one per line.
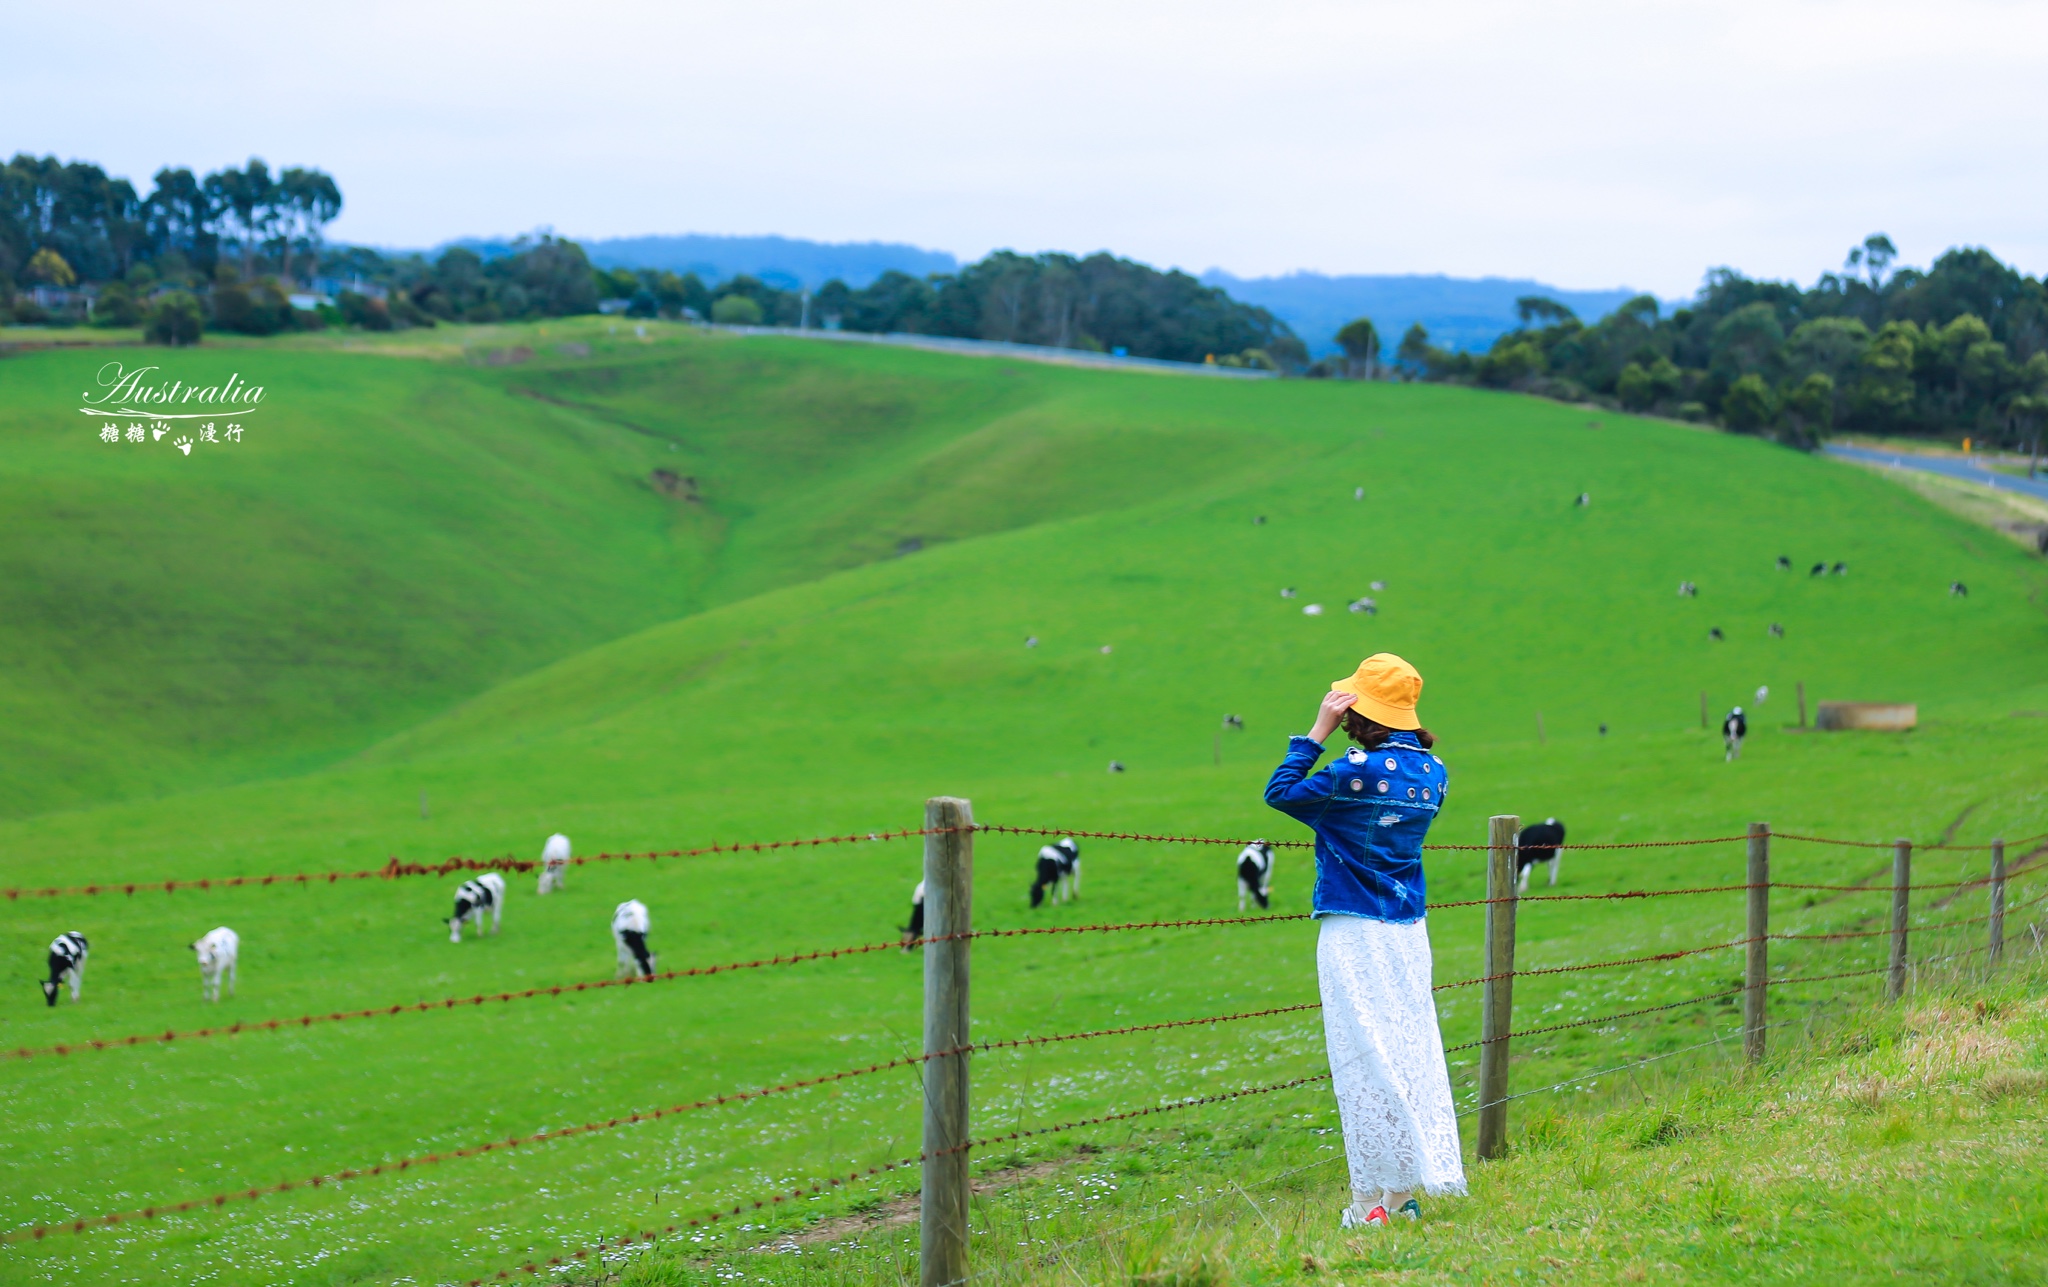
(1370, 733)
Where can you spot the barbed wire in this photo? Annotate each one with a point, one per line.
(397, 868)
(1917, 846)
(446, 1003)
(78, 1226)
(448, 866)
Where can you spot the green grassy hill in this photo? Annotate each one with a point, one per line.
(465, 579)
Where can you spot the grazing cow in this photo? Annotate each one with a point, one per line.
(1733, 730)
(218, 954)
(1714, 633)
(1763, 692)
(915, 930)
(1030, 641)
(1688, 590)
(1059, 867)
(1377, 587)
(1358, 493)
(484, 894)
(1603, 728)
(1234, 721)
(1312, 610)
(1255, 874)
(1819, 569)
(1957, 590)
(1260, 521)
(1365, 605)
(67, 965)
(1777, 631)
(554, 862)
(1538, 842)
(1584, 501)
(629, 934)
(1287, 592)
(1841, 569)
(1784, 563)
(1116, 766)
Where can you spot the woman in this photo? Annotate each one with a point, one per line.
(1370, 811)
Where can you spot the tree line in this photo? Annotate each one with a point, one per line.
(228, 249)
(1960, 348)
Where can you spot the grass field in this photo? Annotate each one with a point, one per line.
(432, 576)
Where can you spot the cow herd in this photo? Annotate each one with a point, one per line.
(477, 901)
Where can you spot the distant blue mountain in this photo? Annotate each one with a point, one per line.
(1459, 312)
(783, 262)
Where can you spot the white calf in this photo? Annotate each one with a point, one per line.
(629, 934)
(218, 953)
(484, 894)
(554, 862)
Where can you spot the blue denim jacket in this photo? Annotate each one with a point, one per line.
(1370, 811)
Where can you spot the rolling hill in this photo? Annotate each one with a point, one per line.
(662, 590)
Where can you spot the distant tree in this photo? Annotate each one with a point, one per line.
(1415, 348)
(116, 306)
(49, 268)
(736, 310)
(248, 195)
(1747, 406)
(1360, 341)
(1874, 257)
(1543, 310)
(176, 319)
(307, 201)
(1808, 409)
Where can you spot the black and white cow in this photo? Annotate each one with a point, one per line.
(1538, 842)
(219, 956)
(1784, 563)
(1059, 869)
(484, 894)
(67, 964)
(554, 862)
(1957, 590)
(1818, 569)
(629, 934)
(915, 930)
(1255, 874)
(1733, 730)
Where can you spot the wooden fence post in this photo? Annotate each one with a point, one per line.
(1902, 889)
(1997, 901)
(948, 910)
(1497, 1008)
(1756, 964)
(1703, 708)
(1802, 703)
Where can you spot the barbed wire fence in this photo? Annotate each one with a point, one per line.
(948, 845)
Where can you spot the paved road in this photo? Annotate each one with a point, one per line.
(1963, 469)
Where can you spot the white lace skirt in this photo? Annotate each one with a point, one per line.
(1387, 1057)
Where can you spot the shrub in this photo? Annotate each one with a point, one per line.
(175, 319)
(361, 310)
(116, 306)
(256, 309)
(736, 310)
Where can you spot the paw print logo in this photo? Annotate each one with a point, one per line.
(183, 444)
(158, 432)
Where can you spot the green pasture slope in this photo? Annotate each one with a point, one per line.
(432, 569)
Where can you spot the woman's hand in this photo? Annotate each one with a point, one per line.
(1331, 713)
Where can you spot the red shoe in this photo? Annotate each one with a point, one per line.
(1376, 1216)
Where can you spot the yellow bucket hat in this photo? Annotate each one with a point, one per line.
(1387, 689)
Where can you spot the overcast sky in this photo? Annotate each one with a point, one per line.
(1580, 142)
